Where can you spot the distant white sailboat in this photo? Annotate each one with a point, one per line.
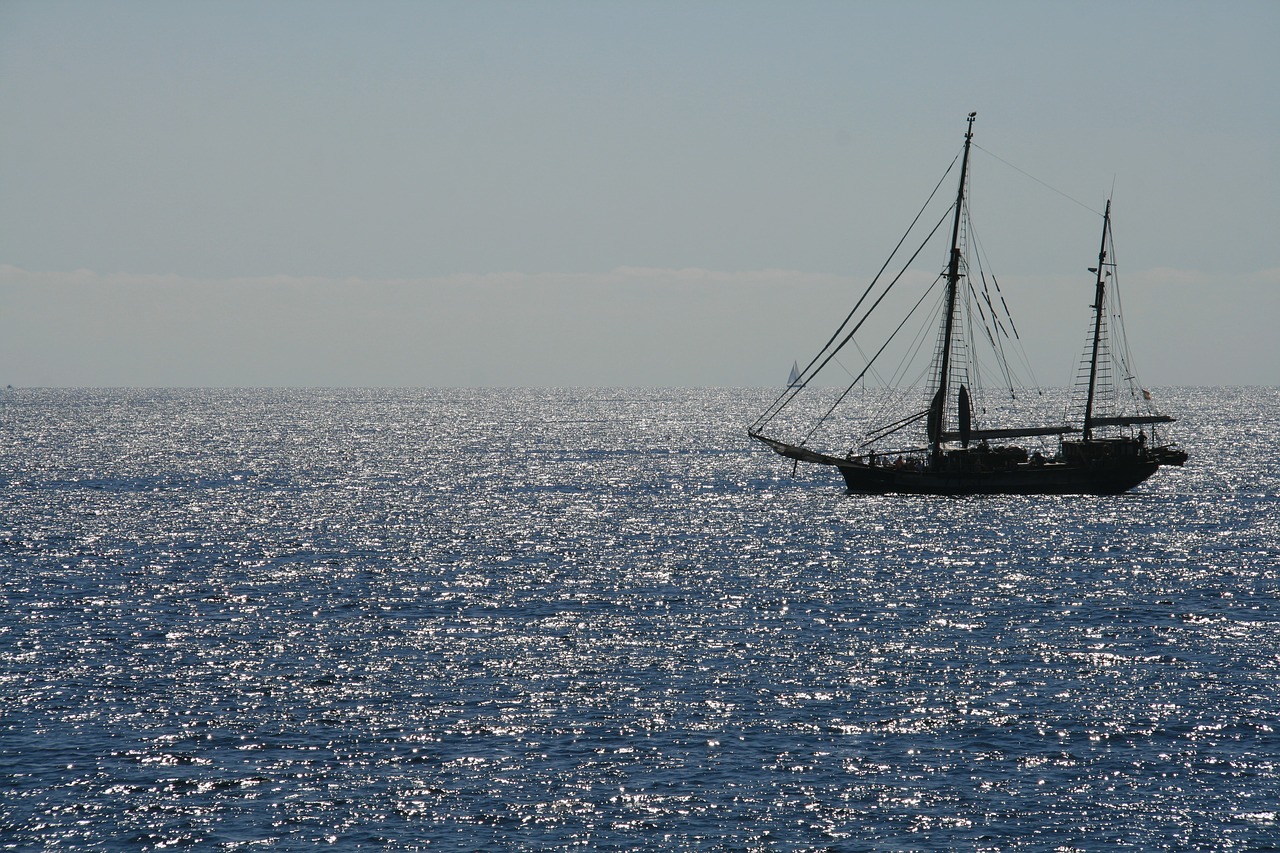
(793, 381)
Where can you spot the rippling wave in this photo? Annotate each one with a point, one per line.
(598, 618)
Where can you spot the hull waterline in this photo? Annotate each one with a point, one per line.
(1045, 480)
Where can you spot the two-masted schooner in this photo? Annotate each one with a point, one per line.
(1111, 443)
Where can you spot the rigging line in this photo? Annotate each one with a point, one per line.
(1116, 295)
(1031, 381)
(880, 299)
(980, 252)
(995, 318)
(971, 363)
(888, 261)
(774, 410)
(897, 398)
(993, 328)
(1018, 348)
(784, 399)
(1038, 181)
(874, 374)
(911, 357)
(805, 374)
(889, 429)
(912, 351)
(847, 390)
(1007, 314)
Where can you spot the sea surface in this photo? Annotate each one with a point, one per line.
(601, 620)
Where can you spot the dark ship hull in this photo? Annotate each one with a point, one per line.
(1096, 467)
(1051, 478)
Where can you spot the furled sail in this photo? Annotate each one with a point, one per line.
(966, 416)
(934, 425)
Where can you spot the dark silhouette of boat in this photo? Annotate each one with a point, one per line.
(1103, 448)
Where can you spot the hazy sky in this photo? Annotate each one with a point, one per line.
(612, 193)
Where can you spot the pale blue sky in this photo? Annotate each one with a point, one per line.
(450, 193)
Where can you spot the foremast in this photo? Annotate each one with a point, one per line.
(938, 405)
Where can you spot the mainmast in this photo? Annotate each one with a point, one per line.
(1100, 292)
(938, 405)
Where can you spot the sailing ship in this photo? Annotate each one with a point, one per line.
(942, 445)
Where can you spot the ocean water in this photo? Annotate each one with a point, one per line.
(601, 620)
